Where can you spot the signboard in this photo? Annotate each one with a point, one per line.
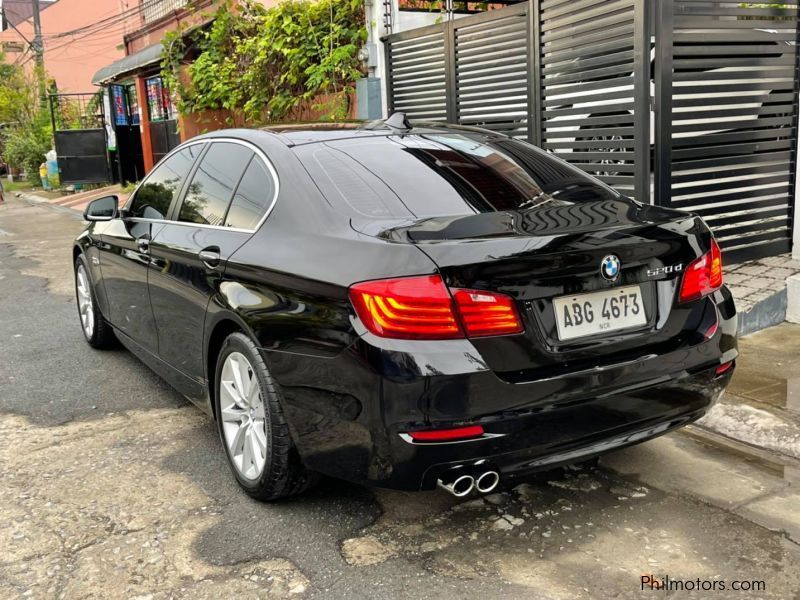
(111, 135)
(120, 105)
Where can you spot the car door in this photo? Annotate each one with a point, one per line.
(218, 213)
(125, 248)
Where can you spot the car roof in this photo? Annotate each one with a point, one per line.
(295, 134)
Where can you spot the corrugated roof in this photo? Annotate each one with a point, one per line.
(137, 60)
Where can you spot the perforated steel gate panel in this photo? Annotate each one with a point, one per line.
(593, 82)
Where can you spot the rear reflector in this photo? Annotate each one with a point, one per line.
(447, 435)
(724, 368)
(422, 308)
(711, 330)
(703, 275)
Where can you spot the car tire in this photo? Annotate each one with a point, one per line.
(271, 469)
(97, 331)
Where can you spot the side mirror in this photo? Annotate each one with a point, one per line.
(102, 209)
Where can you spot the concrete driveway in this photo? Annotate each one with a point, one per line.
(113, 486)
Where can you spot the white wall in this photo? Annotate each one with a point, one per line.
(402, 21)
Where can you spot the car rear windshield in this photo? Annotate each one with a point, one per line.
(430, 175)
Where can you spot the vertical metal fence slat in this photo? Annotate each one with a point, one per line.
(641, 99)
(534, 72)
(387, 49)
(451, 75)
(665, 11)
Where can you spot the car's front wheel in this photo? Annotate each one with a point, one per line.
(252, 425)
(95, 328)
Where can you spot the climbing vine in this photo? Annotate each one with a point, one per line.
(264, 63)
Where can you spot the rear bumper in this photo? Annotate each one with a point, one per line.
(347, 414)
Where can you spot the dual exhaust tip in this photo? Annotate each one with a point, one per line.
(461, 481)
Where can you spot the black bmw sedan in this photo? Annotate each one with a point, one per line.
(406, 306)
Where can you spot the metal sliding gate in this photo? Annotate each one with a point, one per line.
(80, 136)
(684, 103)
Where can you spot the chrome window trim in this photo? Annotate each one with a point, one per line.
(256, 150)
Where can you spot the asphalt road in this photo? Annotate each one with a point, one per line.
(112, 485)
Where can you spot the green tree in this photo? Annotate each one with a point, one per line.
(18, 103)
(27, 133)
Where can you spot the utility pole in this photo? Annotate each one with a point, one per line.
(38, 48)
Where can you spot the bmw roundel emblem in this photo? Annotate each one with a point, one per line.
(610, 267)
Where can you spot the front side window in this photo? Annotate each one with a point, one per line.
(211, 189)
(253, 197)
(155, 195)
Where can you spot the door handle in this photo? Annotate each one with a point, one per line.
(210, 258)
(143, 243)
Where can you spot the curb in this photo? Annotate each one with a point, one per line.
(793, 299)
(766, 313)
(34, 199)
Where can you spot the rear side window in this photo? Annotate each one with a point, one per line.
(155, 195)
(253, 197)
(428, 175)
(211, 189)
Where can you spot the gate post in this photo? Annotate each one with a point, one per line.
(144, 124)
(534, 73)
(451, 78)
(641, 100)
(664, 32)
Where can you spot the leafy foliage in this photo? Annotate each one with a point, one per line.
(27, 133)
(266, 62)
(18, 102)
(26, 144)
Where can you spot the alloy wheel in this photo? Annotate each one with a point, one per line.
(85, 305)
(243, 416)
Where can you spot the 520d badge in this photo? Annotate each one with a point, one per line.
(665, 270)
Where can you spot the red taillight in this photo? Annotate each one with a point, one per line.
(703, 275)
(422, 308)
(408, 307)
(486, 313)
(446, 435)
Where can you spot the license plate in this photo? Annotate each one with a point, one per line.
(599, 312)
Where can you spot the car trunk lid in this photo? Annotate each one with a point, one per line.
(549, 257)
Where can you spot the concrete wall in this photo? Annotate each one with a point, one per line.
(211, 120)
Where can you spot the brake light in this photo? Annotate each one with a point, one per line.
(408, 308)
(486, 313)
(447, 435)
(703, 275)
(422, 308)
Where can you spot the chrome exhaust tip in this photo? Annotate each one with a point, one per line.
(459, 487)
(487, 481)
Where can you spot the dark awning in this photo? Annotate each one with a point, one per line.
(147, 56)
